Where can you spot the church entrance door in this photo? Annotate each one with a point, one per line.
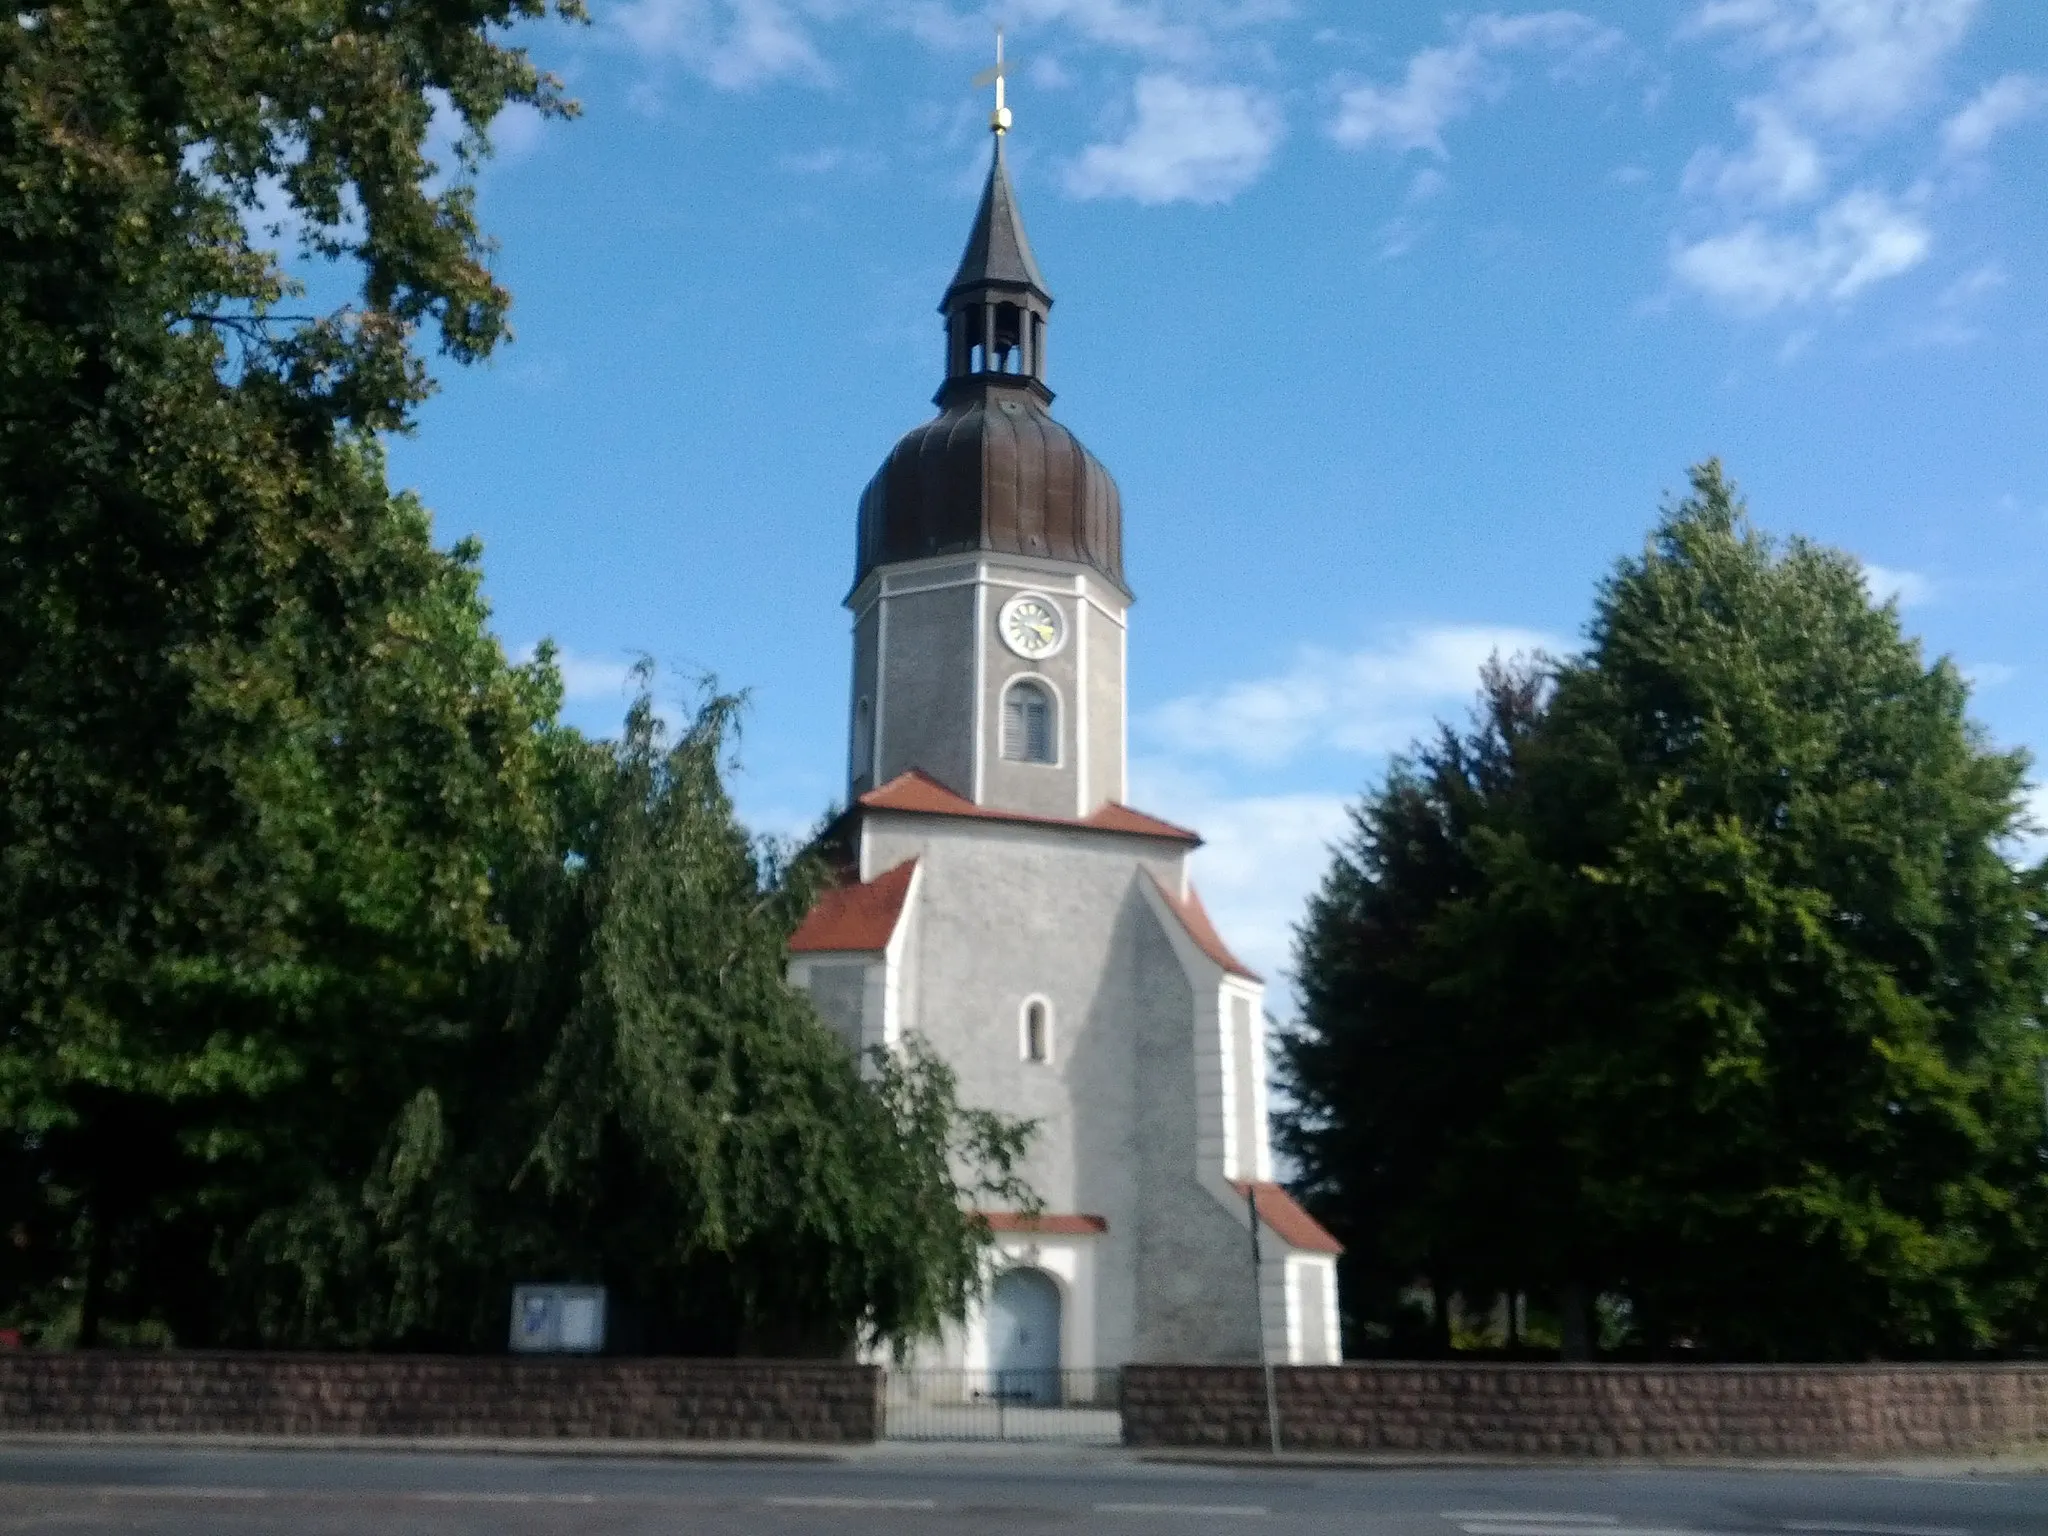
(1024, 1336)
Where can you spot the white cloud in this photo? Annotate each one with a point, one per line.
(1265, 851)
(2031, 845)
(1988, 674)
(1844, 75)
(1048, 74)
(1186, 143)
(1796, 345)
(1444, 84)
(1781, 166)
(589, 679)
(1261, 858)
(1369, 701)
(1908, 588)
(1973, 285)
(1860, 239)
(1858, 62)
(516, 132)
(273, 220)
(1400, 235)
(741, 44)
(597, 689)
(442, 141)
(1185, 34)
(2000, 105)
(1139, 28)
(734, 44)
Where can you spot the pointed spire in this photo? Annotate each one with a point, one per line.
(997, 303)
(998, 252)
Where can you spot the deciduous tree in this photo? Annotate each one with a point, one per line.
(337, 979)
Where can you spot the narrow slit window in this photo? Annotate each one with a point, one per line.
(863, 738)
(1028, 724)
(1037, 1032)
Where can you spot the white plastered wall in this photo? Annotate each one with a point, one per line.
(1313, 1336)
(1007, 911)
(847, 987)
(1241, 1049)
(927, 654)
(1229, 1151)
(1071, 1261)
(887, 989)
(1221, 1150)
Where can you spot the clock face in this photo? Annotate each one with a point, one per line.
(1031, 626)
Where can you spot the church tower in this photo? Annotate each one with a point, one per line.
(989, 595)
(1002, 902)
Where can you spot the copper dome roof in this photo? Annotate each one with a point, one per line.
(993, 471)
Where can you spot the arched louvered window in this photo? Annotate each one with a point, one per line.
(1029, 734)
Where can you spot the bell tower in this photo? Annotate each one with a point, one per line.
(989, 600)
(997, 304)
(1003, 902)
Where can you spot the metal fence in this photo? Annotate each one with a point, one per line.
(1070, 1407)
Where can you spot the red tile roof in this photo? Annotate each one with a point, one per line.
(1049, 1225)
(1195, 918)
(920, 793)
(856, 917)
(1282, 1214)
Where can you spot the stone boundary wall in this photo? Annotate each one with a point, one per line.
(438, 1396)
(1809, 1412)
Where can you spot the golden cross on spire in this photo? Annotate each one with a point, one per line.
(998, 120)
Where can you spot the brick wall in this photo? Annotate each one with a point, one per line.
(1554, 1410)
(438, 1396)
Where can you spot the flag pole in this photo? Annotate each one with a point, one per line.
(1251, 1196)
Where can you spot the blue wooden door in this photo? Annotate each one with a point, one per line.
(1024, 1336)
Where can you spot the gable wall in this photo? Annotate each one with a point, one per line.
(1198, 1300)
(1007, 913)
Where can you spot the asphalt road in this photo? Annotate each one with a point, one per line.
(179, 1492)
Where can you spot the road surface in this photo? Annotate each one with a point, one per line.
(165, 1491)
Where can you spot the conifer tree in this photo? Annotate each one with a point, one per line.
(1742, 988)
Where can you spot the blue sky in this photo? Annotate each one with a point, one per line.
(1394, 323)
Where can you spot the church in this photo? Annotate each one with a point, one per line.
(1006, 904)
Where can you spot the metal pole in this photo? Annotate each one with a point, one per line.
(1251, 1196)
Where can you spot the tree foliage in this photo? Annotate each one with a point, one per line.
(337, 979)
(644, 1101)
(1697, 972)
(799, 1202)
(257, 752)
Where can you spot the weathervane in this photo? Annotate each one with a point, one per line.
(998, 120)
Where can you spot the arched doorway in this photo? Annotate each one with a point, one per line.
(1024, 1336)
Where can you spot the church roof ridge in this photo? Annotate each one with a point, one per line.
(1195, 918)
(917, 792)
(859, 916)
(998, 251)
(1283, 1215)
